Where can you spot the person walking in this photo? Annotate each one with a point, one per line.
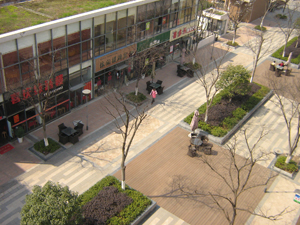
(153, 93)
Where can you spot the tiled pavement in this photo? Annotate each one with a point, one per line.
(75, 168)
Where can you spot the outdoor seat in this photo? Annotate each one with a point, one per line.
(287, 72)
(159, 82)
(160, 90)
(74, 138)
(64, 139)
(148, 85)
(79, 128)
(272, 67)
(61, 127)
(178, 68)
(277, 73)
(191, 151)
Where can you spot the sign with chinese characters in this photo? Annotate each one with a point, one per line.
(41, 88)
(181, 31)
(114, 58)
(161, 38)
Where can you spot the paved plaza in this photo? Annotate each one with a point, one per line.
(98, 154)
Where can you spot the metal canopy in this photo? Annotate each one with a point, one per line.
(122, 67)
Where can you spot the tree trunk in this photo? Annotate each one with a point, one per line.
(254, 68)
(44, 132)
(123, 176)
(288, 159)
(283, 52)
(136, 90)
(206, 113)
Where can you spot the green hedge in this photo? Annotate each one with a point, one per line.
(229, 122)
(235, 44)
(278, 53)
(130, 212)
(290, 167)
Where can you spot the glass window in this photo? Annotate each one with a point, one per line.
(131, 16)
(130, 34)
(150, 10)
(100, 45)
(149, 28)
(73, 43)
(122, 19)
(141, 13)
(121, 38)
(99, 25)
(110, 22)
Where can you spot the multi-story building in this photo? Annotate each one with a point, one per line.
(257, 7)
(92, 50)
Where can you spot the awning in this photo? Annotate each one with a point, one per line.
(121, 67)
(76, 87)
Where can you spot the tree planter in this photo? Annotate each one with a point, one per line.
(48, 156)
(285, 173)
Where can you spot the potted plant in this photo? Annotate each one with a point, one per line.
(19, 131)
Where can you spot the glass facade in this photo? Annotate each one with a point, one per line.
(72, 49)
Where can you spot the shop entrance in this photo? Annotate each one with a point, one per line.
(4, 138)
(121, 75)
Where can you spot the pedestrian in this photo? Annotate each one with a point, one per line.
(153, 93)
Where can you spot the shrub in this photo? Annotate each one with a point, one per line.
(136, 98)
(105, 205)
(290, 167)
(51, 204)
(52, 147)
(218, 131)
(258, 27)
(192, 66)
(235, 44)
(130, 212)
(239, 113)
(229, 122)
(281, 16)
(255, 98)
(19, 131)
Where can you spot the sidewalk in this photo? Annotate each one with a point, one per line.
(96, 155)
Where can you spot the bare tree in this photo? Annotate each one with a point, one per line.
(37, 90)
(238, 10)
(289, 26)
(127, 122)
(259, 47)
(237, 176)
(287, 100)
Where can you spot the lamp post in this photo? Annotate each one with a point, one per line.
(86, 93)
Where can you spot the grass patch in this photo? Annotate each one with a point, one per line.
(290, 167)
(281, 16)
(14, 18)
(260, 28)
(229, 122)
(235, 44)
(192, 66)
(52, 147)
(130, 212)
(278, 53)
(136, 98)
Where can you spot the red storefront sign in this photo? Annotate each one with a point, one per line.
(26, 93)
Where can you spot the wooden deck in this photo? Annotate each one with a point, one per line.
(153, 171)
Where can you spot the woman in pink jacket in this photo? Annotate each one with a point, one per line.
(153, 93)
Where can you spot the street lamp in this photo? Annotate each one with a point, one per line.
(86, 93)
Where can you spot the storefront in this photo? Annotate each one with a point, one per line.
(161, 40)
(214, 20)
(181, 37)
(112, 70)
(22, 107)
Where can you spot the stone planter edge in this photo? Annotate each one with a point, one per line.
(48, 156)
(148, 210)
(290, 175)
